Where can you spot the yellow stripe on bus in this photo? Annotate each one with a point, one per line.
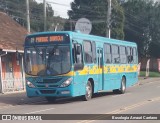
(107, 69)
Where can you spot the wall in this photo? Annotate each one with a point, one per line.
(153, 66)
(12, 73)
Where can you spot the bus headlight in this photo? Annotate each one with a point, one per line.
(30, 84)
(66, 83)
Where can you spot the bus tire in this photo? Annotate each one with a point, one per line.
(50, 99)
(122, 88)
(89, 92)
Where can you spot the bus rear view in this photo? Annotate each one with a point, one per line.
(48, 65)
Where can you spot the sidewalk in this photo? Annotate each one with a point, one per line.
(149, 79)
(20, 98)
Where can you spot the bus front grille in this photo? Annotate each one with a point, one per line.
(51, 80)
(44, 86)
(48, 81)
(47, 91)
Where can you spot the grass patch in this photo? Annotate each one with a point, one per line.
(151, 74)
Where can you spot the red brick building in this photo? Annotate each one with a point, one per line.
(11, 63)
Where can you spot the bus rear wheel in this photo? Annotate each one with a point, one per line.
(122, 88)
(89, 92)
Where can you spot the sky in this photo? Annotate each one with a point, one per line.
(61, 8)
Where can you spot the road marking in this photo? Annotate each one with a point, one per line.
(5, 107)
(40, 111)
(121, 110)
(29, 103)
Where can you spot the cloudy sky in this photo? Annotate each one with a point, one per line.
(60, 7)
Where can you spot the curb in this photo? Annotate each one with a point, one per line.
(141, 79)
(13, 92)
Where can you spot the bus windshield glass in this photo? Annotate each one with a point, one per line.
(47, 60)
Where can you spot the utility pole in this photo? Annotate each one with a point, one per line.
(56, 27)
(28, 18)
(108, 30)
(45, 17)
(70, 21)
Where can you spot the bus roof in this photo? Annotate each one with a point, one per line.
(79, 35)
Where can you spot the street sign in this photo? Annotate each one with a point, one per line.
(83, 25)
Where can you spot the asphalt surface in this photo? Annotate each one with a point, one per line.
(142, 98)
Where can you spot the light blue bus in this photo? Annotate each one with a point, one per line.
(70, 64)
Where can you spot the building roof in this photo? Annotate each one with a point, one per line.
(12, 34)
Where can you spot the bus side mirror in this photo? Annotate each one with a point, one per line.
(78, 51)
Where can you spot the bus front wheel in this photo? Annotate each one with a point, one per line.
(88, 94)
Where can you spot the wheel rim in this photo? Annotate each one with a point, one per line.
(88, 91)
(123, 85)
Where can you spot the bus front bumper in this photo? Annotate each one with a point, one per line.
(57, 92)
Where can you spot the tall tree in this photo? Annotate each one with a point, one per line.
(17, 10)
(155, 31)
(138, 24)
(96, 12)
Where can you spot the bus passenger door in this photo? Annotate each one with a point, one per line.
(100, 68)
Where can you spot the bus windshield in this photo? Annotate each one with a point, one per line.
(46, 61)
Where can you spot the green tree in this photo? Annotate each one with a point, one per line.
(117, 20)
(141, 24)
(17, 10)
(96, 12)
(155, 31)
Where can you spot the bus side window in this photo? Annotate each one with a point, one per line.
(94, 52)
(77, 56)
(107, 53)
(115, 54)
(135, 55)
(88, 55)
(73, 53)
(130, 54)
(123, 57)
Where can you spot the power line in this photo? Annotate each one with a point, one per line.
(130, 16)
(126, 13)
(57, 3)
(85, 9)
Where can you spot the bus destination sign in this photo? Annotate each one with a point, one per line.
(54, 38)
(49, 39)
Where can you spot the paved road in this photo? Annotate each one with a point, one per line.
(143, 98)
